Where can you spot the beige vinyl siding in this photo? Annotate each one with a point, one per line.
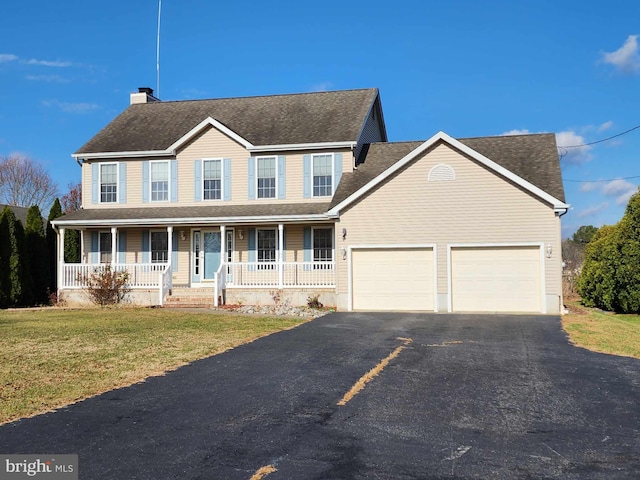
(212, 143)
(477, 207)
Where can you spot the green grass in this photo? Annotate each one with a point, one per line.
(52, 357)
(604, 332)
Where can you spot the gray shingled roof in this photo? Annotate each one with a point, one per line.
(160, 214)
(19, 212)
(532, 157)
(270, 120)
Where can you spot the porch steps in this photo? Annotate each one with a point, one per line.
(189, 298)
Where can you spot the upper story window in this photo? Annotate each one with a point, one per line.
(109, 183)
(322, 166)
(212, 179)
(159, 247)
(159, 181)
(266, 169)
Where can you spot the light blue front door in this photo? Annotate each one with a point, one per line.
(211, 249)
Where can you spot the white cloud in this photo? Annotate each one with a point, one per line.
(605, 126)
(7, 57)
(321, 87)
(48, 63)
(620, 189)
(47, 78)
(626, 59)
(78, 107)
(577, 155)
(523, 131)
(591, 211)
(589, 186)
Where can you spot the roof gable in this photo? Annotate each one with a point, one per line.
(308, 118)
(530, 161)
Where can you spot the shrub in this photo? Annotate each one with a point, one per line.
(597, 282)
(314, 302)
(107, 287)
(610, 277)
(39, 253)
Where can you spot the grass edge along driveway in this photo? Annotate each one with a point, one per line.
(52, 357)
(604, 332)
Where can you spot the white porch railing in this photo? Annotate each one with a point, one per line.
(141, 275)
(267, 274)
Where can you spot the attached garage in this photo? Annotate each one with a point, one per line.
(496, 279)
(393, 278)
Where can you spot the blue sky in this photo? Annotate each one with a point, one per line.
(469, 68)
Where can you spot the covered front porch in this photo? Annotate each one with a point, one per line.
(226, 260)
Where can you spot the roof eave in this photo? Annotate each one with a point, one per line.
(315, 217)
(301, 146)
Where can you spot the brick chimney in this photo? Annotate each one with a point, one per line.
(143, 95)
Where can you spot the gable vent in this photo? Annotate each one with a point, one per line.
(442, 173)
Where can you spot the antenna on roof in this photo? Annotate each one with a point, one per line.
(158, 52)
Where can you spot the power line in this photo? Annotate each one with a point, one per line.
(600, 141)
(599, 181)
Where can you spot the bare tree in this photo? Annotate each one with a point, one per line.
(72, 201)
(24, 182)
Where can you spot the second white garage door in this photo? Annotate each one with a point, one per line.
(496, 279)
(393, 279)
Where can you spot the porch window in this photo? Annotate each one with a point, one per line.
(322, 245)
(322, 175)
(105, 247)
(212, 178)
(266, 243)
(159, 181)
(109, 183)
(159, 247)
(266, 167)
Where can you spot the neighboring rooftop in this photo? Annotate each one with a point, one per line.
(336, 116)
(19, 212)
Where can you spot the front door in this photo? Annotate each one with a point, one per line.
(206, 255)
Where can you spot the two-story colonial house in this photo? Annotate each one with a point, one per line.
(246, 199)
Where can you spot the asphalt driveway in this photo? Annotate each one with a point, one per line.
(468, 396)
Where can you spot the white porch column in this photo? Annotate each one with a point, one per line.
(223, 244)
(170, 246)
(280, 255)
(83, 253)
(60, 259)
(114, 249)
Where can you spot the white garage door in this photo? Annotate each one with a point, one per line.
(392, 279)
(501, 279)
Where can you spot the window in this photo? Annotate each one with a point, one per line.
(159, 247)
(109, 183)
(159, 181)
(322, 175)
(266, 167)
(322, 245)
(212, 179)
(266, 246)
(105, 247)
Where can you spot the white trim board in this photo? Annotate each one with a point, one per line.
(441, 136)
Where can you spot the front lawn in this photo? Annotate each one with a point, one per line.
(53, 357)
(601, 331)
